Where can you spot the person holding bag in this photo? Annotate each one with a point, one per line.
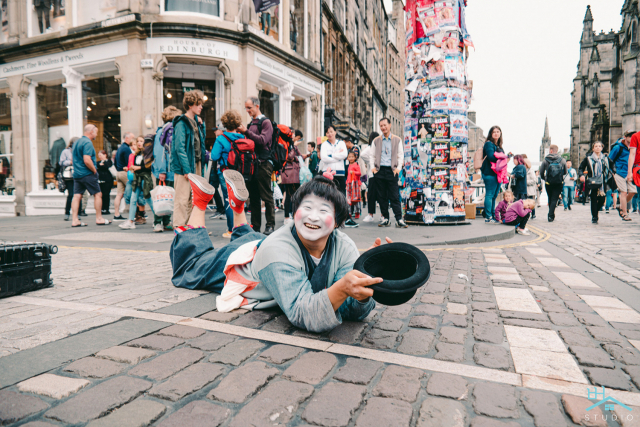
(597, 172)
(291, 179)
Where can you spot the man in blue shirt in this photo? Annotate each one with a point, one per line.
(122, 160)
(620, 156)
(85, 176)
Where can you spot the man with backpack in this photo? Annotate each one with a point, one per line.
(620, 156)
(552, 171)
(260, 131)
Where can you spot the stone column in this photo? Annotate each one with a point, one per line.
(285, 103)
(132, 88)
(308, 120)
(73, 84)
(33, 137)
(286, 22)
(20, 165)
(158, 76)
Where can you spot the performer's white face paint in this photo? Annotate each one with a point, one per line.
(315, 218)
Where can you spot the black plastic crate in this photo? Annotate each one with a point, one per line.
(25, 267)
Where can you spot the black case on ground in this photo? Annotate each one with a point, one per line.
(25, 267)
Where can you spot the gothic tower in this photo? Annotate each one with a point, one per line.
(546, 140)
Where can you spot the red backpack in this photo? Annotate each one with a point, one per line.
(242, 157)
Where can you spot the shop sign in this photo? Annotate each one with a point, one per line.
(67, 58)
(198, 47)
(298, 79)
(119, 20)
(341, 125)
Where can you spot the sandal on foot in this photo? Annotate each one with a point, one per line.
(82, 224)
(626, 218)
(106, 222)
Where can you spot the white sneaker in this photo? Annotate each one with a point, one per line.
(523, 232)
(158, 228)
(368, 218)
(128, 225)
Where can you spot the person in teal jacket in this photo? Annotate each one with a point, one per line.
(187, 153)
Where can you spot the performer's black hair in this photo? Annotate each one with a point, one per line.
(325, 189)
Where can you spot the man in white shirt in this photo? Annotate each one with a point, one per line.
(386, 159)
(568, 189)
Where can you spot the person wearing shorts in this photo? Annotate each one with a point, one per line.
(122, 159)
(620, 154)
(85, 176)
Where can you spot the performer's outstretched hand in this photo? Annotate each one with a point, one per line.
(378, 242)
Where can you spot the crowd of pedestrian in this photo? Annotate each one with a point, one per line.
(607, 180)
(367, 177)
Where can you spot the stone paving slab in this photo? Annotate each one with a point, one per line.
(450, 319)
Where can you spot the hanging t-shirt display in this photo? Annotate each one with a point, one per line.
(436, 104)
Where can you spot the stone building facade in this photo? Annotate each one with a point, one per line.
(355, 47)
(606, 98)
(395, 69)
(118, 63)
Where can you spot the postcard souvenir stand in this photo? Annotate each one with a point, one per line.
(437, 97)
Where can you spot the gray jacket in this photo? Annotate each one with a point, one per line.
(279, 266)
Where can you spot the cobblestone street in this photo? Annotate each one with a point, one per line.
(504, 333)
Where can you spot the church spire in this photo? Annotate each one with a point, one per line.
(588, 17)
(587, 27)
(546, 128)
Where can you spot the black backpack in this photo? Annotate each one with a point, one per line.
(555, 173)
(280, 141)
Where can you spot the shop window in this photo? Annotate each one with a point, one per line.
(270, 22)
(95, 11)
(4, 21)
(6, 156)
(174, 90)
(207, 7)
(101, 106)
(52, 117)
(297, 30)
(270, 105)
(46, 16)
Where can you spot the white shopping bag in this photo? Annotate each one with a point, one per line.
(162, 197)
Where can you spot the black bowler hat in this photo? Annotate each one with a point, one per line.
(403, 267)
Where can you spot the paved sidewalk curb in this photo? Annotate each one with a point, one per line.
(482, 239)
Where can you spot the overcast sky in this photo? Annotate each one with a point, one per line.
(524, 64)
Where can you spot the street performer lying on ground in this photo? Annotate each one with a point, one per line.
(305, 267)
